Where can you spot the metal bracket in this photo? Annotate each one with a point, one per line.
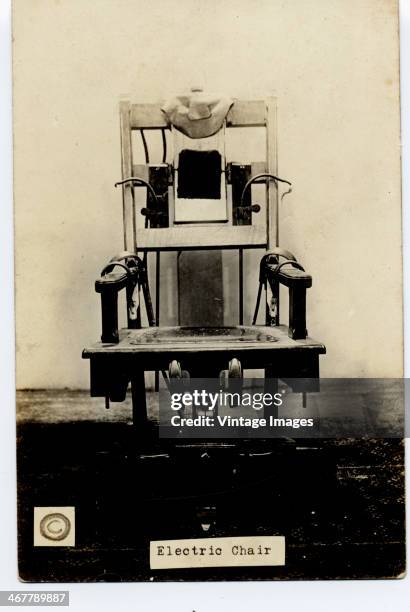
(238, 176)
(158, 212)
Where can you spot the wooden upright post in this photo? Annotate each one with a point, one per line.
(126, 168)
(272, 213)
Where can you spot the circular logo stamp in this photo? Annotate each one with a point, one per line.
(55, 526)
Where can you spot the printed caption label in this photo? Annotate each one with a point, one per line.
(218, 552)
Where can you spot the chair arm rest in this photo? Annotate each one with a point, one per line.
(292, 277)
(113, 281)
(291, 274)
(108, 286)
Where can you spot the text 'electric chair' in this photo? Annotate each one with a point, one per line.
(199, 201)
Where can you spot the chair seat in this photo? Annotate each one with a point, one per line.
(239, 338)
(203, 351)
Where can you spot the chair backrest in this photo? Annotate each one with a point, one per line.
(214, 222)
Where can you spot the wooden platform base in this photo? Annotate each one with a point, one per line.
(339, 503)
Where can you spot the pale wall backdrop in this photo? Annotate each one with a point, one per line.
(333, 65)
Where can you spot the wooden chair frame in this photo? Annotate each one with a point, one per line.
(242, 114)
(123, 356)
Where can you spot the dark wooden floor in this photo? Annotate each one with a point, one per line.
(339, 503)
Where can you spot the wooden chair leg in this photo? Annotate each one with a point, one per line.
(271, 386)
(139, 400)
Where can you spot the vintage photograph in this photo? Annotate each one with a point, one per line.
(209, 301)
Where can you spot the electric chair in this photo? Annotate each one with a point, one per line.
(198, 199)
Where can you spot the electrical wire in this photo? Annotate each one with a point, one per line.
(258, 177)
(140, 181)
(164, 146)
(144, 143)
